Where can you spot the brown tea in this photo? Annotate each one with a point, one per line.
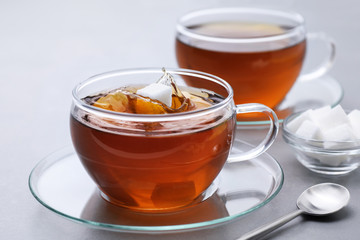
(263, 74)
(150, 166)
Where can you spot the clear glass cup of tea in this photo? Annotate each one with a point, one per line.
(147, 156)
(260, 52)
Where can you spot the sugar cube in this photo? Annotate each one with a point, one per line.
(335, 130)
(335, 117)
(307, 130)
(329, 125)
(317, 114)
(341, 133)
(157, 91)
(295, 123)
(354, 118)
(332, 161)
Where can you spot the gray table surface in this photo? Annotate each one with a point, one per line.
(46, 47)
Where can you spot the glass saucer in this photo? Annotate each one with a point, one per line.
(316, 93)
(60, 183)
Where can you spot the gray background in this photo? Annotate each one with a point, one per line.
(46, 47)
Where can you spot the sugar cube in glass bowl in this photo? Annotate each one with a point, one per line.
(326, 140)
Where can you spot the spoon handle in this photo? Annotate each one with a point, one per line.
(267, 228)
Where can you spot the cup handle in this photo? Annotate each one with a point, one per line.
(328, 62)
(269, 138)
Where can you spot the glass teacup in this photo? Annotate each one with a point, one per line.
(260, 52)
(159, 162)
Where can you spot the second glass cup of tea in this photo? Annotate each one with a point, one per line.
(157, 162)
(260, 52)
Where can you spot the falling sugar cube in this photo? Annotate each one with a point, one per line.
(157, 91)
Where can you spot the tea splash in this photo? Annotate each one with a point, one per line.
(140, 100)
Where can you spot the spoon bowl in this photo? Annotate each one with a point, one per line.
(323, 199)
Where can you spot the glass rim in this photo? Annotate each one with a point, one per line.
(150, 117)
(290, 15)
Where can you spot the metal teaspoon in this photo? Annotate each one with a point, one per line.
(318, 200)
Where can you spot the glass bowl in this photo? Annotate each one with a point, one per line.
(325, 157)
